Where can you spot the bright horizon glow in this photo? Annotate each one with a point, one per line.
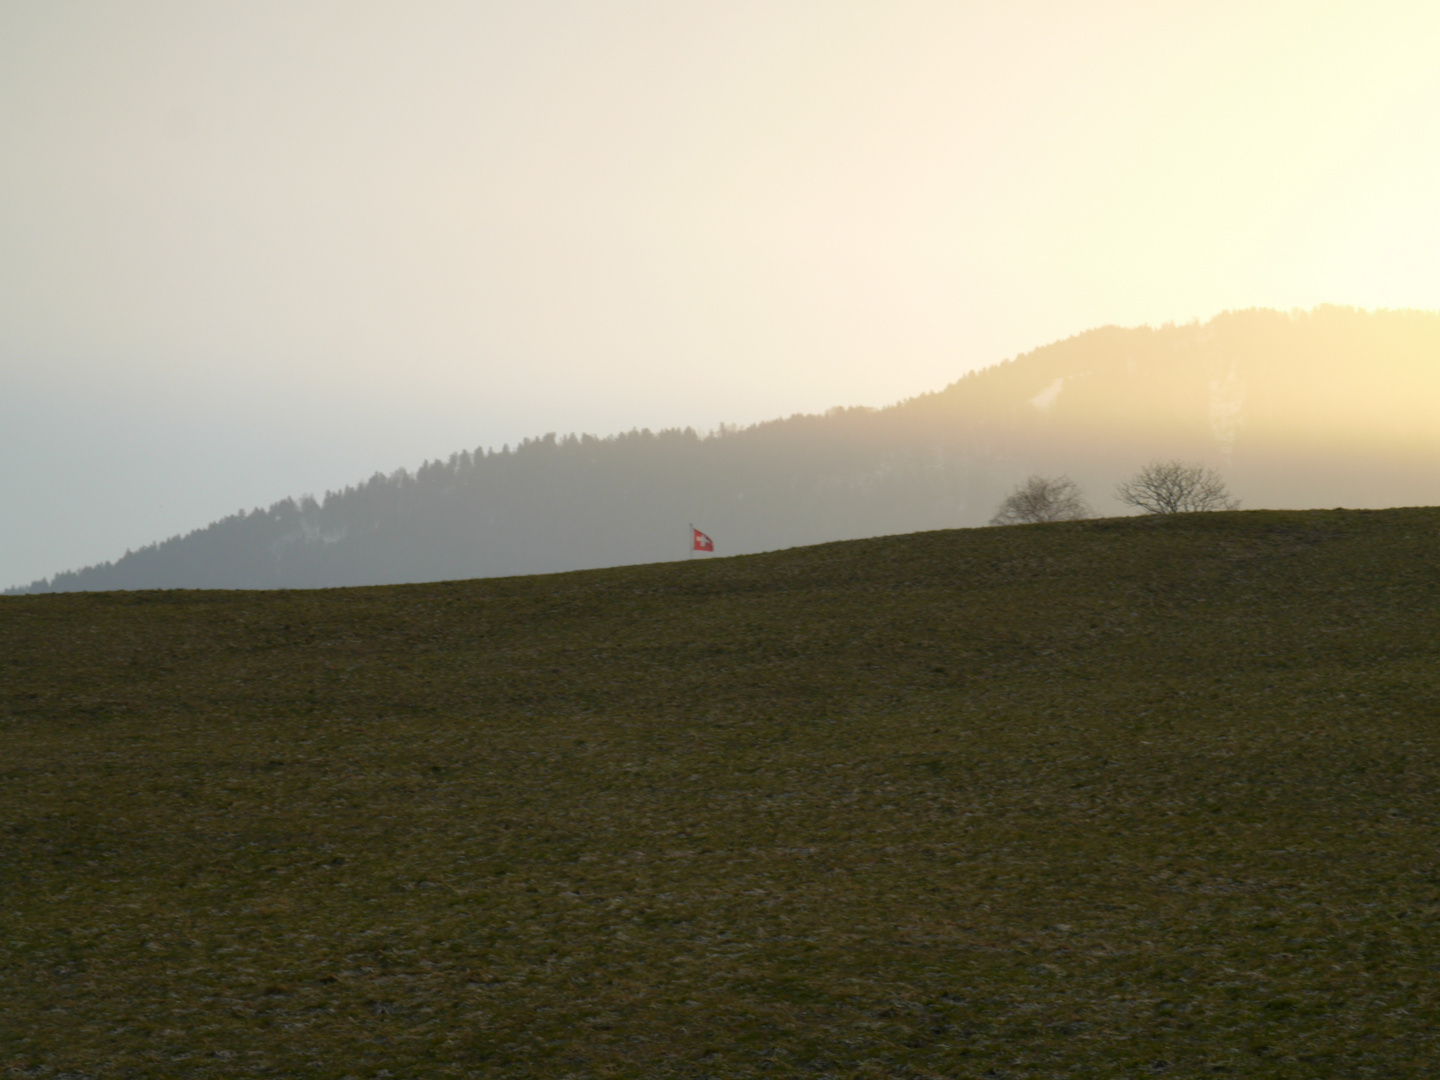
(250, 251)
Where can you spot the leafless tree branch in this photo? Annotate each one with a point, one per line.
(1043, 499)
(1176, 487)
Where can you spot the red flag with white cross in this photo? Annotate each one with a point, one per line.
(700, 541)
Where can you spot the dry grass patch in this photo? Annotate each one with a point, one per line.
(1111, 798)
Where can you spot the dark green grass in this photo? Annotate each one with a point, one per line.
(1117, 798)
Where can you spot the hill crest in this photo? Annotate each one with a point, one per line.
(1305, 409)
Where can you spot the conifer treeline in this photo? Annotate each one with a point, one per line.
(558, 503)
(1330, 407)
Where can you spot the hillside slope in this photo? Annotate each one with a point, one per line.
(1112, 798)
(1328, 408)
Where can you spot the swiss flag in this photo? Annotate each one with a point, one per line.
(702, 542)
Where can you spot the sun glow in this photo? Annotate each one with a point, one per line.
(389, 231)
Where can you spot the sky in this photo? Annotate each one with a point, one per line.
(252, 250)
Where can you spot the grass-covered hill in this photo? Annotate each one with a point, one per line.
(1113, 798)
(1332, 407)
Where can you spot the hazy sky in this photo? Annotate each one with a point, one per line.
(257, 249)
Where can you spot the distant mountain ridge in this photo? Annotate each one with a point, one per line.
(1329, 407)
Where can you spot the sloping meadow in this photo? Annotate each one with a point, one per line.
(1111, 798)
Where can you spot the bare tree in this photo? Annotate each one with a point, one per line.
(1042, 499)
(1176, 487)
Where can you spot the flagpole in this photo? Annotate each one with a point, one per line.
(690, 543)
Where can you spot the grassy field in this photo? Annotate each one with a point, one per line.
(1122, 798)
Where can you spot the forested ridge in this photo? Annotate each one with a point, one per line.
(1308, 409)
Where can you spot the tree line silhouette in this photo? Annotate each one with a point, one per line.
(1321, 408)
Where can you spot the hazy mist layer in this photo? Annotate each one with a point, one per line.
(254, 249)
(1333, 407)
